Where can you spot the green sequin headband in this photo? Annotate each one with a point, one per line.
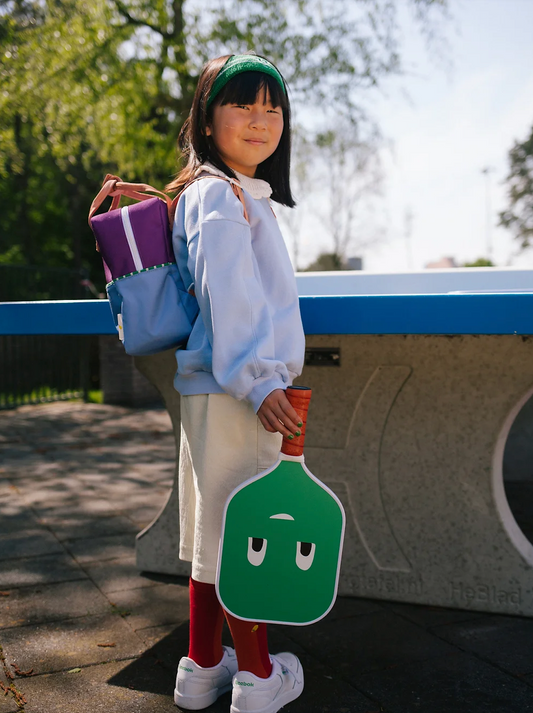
(239, 63)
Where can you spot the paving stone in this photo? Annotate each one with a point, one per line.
(7, 702)
(453, 684)
(83, 508)
(176, 579)
(67, 644)
(72, 528)
(346, 607)
(8, 490)
(28, 543)
(39, 570)
(74, 497)
(154, 606)
(169, 643)
(325, 691)
(51, 602)
(118, 575)
(504, 641)
(40, 470)
(120, 687)
(15, 517)
(15, 457)
(362, 643)
(101, 548)
(95, 473)
(429, 616)
(8, 437)
(43, 467)
(53, 493)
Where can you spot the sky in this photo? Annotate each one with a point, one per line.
(444, 122)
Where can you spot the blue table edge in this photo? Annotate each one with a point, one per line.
(452, 313)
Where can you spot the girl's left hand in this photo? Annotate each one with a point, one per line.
(277, 415)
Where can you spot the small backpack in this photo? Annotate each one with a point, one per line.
(150, 304)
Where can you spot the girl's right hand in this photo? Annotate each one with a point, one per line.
(277, 415)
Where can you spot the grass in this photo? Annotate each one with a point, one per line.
(45, 394)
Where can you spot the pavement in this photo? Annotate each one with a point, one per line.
(82, 630)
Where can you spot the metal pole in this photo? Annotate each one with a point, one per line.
(408, 231)
(488, 209)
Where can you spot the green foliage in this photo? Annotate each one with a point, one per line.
(95, 86)
(480, 262)
(519, 216)
(327, 262)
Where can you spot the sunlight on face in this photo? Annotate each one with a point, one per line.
(245, 135)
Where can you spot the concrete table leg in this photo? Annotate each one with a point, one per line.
(410, 432)
(157, 545)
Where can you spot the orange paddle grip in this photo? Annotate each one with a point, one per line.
(299, 397)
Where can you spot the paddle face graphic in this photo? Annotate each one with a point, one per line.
(281, 546)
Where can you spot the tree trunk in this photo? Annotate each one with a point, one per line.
(21, 182)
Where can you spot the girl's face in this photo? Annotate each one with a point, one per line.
(245, 135)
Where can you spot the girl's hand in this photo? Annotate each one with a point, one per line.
(277, 415)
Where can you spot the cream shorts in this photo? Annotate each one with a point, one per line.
(223, 443)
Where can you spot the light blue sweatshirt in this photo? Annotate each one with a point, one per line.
(248, 338)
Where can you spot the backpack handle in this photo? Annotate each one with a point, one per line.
(115, 187)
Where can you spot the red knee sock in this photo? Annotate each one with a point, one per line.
(251, 646)
(205, 628)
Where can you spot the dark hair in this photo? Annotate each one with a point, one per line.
(197, 147)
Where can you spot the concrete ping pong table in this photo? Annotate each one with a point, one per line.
(417, 379)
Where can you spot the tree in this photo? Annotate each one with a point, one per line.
(480, 262)
(302, 173)
(352, 173)
(105, 85)
(519, 216)
(327, 262)
(335, 177)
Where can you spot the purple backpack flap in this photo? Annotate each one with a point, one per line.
(151, 307)
(135, 237)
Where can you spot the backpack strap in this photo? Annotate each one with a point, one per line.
(115, 187)
(234, 186)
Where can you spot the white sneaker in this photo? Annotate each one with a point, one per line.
(267, 695)
(198, 687)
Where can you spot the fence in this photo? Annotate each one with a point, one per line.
(30, 282)
(35, 369)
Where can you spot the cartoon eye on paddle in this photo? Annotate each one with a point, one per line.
(305, 553)
(256, 550)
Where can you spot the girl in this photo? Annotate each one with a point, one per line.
(246, 347)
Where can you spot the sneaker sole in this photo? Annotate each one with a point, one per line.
(197, 703)
(275, 706)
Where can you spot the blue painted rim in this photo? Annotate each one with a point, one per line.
(487, 313)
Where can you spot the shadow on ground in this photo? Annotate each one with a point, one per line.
(77, 482)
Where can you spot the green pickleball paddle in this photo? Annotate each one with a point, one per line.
(281, 543)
